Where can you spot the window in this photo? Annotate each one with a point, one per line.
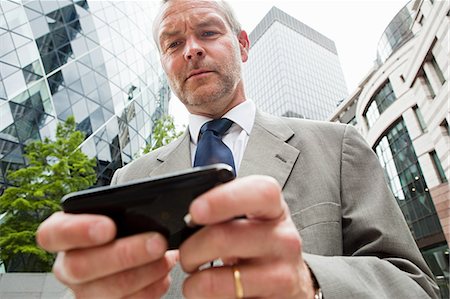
(419, 118)
(421, 20)
(438, 70)
(406, 181)
(444, 127)
(438, 167)
(430, 89)
(382, 99)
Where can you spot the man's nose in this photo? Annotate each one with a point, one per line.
(193, 50)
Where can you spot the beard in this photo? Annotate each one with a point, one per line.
(212, 91)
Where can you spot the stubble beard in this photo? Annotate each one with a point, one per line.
(213, 98)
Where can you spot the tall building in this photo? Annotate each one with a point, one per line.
(402, 108)
(95, 60)
(293, 70)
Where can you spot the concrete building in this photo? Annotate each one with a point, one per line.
(402, 109)
(293, 70)
(95, 60)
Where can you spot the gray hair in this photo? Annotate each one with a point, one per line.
(222, 5)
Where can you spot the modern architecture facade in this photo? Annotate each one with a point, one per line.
(293, 70)
(95, 60)
(402, 109)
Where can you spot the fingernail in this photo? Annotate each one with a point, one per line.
(188, 220)
(99, 232)
(154, 245)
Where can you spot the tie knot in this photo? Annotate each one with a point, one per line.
(218, 126)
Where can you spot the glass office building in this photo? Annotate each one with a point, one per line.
(95, 60)
(293, 70)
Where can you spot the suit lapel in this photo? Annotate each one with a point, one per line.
(177, 156)
(268, 152)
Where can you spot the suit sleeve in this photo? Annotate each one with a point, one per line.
(381, 259)
(115, 178)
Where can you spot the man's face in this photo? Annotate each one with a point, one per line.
(202, 56)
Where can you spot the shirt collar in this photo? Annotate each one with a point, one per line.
(242, 115)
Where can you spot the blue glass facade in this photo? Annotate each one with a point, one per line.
(95, 60)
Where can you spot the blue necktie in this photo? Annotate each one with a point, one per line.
(210, 147)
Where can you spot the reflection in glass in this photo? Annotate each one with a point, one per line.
(80, 53)
(406, 181)
(379, 102)
(6, 118)
(397, 33)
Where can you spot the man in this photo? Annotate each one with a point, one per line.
(320, 219)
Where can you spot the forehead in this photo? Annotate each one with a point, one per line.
(179, 13)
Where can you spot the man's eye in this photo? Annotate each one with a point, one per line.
(208, 33)
(173, 45)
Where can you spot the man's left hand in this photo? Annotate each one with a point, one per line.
(265, 246)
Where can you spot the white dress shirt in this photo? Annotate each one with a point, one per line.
(243, 116)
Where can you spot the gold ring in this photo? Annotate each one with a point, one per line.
(238, 283)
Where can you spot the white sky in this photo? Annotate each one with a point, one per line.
(354, 25)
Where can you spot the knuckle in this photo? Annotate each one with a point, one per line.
(287, 279)
(75, 267)
(209, 285)
(270, 190)
(125, 254)
(291, 241)
(124, 280)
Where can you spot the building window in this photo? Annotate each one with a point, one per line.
(396, 154)
(419, 118)
(438, 70)
(438, 167)
(382, 99)
(430, 89)
(421, 20)
(444, 127)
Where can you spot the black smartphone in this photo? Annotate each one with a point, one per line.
(155, 204)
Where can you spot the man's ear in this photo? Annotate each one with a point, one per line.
(244, 45)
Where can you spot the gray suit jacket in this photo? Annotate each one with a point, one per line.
(355, 238)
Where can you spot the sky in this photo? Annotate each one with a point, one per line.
(354, 25)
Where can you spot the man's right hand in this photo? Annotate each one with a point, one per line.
(94, 265)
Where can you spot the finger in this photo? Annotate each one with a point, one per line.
(241, 239)
(83, 265)
(276, 280)
(63, 231)
(149, 276)
(253, 196)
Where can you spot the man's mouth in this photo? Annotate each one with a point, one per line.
(198, 73)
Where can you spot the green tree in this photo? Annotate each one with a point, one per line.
(55, 168)
(164, 132)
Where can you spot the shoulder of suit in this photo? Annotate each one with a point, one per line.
(141, 166)
(302, 125)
